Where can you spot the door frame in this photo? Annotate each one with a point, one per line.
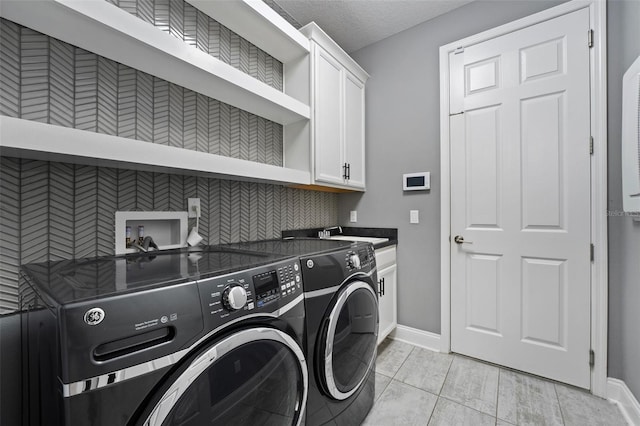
(598, 83)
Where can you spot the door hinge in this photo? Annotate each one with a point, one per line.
(458, 50)
(590, 38)
(591, 145)
(592, 358)
(593, 252)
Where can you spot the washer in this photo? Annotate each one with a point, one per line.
(339, 281)
(178, 338)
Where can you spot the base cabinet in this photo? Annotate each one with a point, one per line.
(387, 302)
(387, 291)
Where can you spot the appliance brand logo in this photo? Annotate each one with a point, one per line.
(94, 316)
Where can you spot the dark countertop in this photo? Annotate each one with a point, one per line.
(390, 233)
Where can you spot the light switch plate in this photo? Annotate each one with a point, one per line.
(414, 216)
(353, 216)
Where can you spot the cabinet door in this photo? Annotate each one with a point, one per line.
(387, 307)
(328, 118)
(354, 129)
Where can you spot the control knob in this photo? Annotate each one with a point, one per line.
(234, 297)
(354, 261)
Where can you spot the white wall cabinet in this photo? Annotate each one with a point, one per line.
(387, 291)
(354, 141)
(336, 135)
(327, 117)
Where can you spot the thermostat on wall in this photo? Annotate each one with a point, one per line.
(420, 181)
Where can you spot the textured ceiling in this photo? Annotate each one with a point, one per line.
(354, 24)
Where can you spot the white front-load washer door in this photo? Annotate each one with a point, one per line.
(253, 376)
(348, 341)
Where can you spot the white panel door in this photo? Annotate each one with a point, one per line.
(520, 199)
(354, 129)
(328, 118)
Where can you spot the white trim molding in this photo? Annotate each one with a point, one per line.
(599, 268)
(599, 199)
(618, 392)
(416, 337)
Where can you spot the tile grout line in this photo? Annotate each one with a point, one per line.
(407, 384)
(440, 390)
(403, 362)
(463, 404)
(555, 390)
(471, 408)
(416, 388)
(446, 375)
(383, 390)
(498, 393)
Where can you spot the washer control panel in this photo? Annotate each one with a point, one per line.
(234, 297)
(290, 280)
(261, 289)
(362, 257)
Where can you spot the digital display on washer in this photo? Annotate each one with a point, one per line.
(266, 287)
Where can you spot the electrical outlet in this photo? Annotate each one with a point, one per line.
(414, 216)
(193, 205)
(353, 216)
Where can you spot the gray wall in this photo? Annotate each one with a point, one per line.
(403, 135)
(624, 233)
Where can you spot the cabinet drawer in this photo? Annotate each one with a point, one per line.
(385, 257)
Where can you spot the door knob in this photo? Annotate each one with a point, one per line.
(459, 239)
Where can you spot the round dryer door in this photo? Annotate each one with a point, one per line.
(254, 376)
(349, 350)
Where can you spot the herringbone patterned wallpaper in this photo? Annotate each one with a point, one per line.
(187, 23)
(46, 80)
(52, 211)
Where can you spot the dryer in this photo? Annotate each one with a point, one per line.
(340, 291)
(342, 331)
(169, 339)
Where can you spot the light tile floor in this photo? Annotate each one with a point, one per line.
(416, 386)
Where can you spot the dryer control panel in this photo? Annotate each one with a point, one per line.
(262, 289)
(362, 257)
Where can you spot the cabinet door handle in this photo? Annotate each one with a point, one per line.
(348, 171)
(383, 287)
(344, 171)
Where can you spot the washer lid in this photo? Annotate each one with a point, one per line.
(69, 281)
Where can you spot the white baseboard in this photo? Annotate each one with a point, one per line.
(416, 337)
(618, 392)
